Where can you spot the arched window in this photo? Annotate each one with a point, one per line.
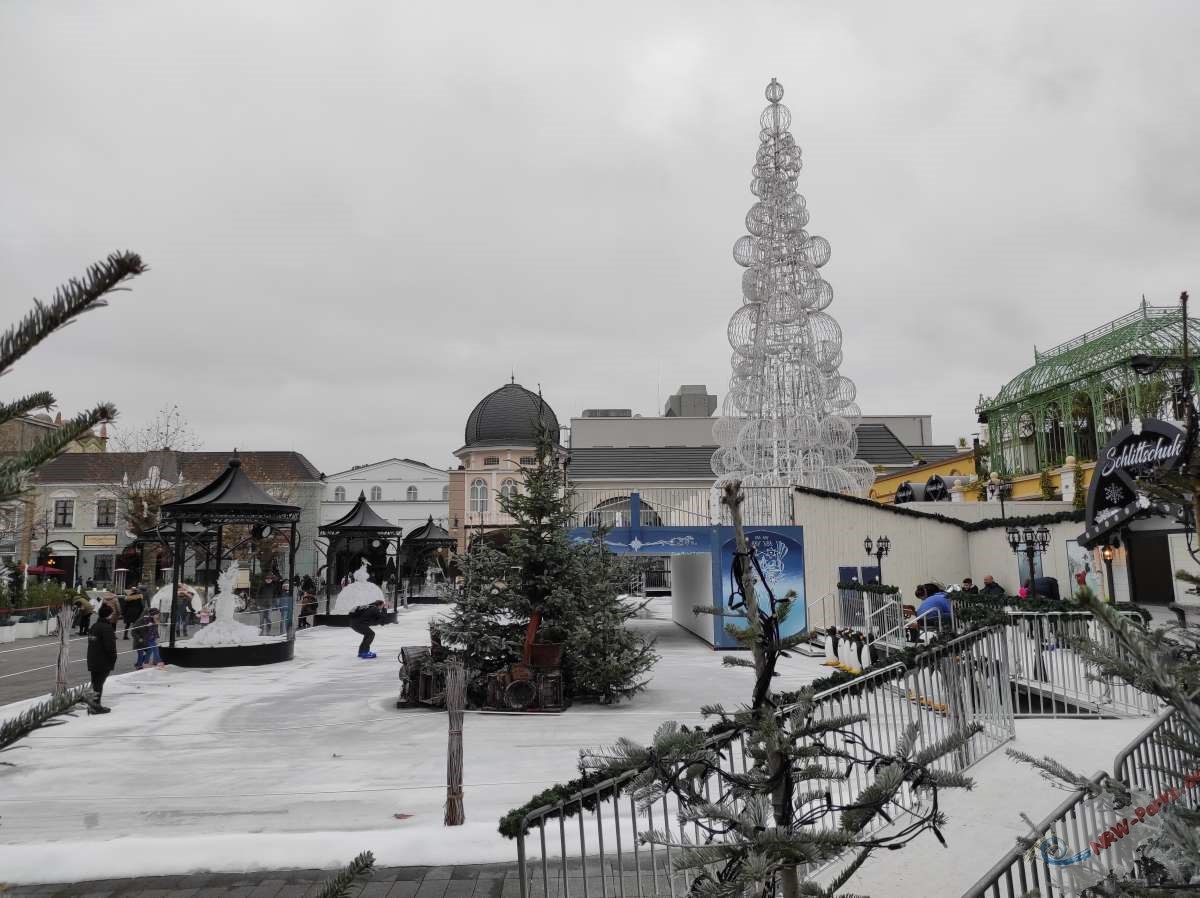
(339, 494)
(411, 493)
(376, 493)
(508, 489)
(445, 494)
(479, 496)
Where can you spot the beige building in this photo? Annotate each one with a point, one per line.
(500, 437)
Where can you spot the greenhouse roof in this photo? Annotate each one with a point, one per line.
(1155, 331)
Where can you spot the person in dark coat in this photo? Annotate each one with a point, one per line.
(361, 619)
(991, 587)
(101, 656)
(969, 587)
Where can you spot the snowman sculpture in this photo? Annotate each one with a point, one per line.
(225, 630)
(361, 592)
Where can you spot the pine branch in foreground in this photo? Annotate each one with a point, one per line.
(14, 472)
(26, 404)
(42, 714)
(69, 301)
(352, 874)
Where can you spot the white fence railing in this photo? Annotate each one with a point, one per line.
(679, 507)
(1042, 868)
(599, 852)
(1052, 679)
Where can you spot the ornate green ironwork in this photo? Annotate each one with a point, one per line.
(1080, 392)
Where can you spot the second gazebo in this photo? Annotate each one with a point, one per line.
(357, 536)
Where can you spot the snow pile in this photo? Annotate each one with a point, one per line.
(361, 592)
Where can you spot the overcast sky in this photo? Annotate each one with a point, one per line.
(361, 217)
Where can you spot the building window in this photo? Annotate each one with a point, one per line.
(102, 569)
(445, 494)
(508, 489)
(411, 493)
(339, 494)
(376, 493)
(64, 513)
(528, 460)
(479, 496)
(491, 460)
(106, 512)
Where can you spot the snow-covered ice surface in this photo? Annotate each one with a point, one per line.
(304, 764)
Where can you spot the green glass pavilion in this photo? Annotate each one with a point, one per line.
(1080, 392)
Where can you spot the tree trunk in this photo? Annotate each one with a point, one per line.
(65, 617)
(149, 565)
(777, 765)
(456, 695)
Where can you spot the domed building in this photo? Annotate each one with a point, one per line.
(500, 438)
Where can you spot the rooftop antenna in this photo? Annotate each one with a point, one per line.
(512, 378)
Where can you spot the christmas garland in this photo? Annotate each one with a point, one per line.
(873, 588)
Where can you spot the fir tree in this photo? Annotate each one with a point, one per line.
(765, 824)
(69, 301)
(532, 578)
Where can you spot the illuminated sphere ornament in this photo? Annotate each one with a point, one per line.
(789, 417)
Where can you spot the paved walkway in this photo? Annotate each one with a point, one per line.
(477, 881)
(42, 652)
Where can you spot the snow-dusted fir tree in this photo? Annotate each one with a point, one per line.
(759, 828)
(569, 593)
(789, 416)
(69, 301)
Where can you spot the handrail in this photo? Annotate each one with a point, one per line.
(1002, 867)
(1142, 737)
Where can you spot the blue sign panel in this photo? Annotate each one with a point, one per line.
(780, 554)
(650, 540)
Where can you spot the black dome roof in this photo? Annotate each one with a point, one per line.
(508, 417)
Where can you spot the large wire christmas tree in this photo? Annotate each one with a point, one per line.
(789, 417)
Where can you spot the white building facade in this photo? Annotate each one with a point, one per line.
(404, 492)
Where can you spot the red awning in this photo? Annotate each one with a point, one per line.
(42, 570)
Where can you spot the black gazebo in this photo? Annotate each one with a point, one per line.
(231, 499)
(420, 545)
(359, 533)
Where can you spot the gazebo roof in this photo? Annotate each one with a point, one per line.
(362, 518)
(430, 534)
(232, 498)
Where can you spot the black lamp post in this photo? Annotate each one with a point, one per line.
(1031, 543)
(1109, 552)
(878, 549)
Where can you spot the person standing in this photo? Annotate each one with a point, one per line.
(133, 610)
(361, 619)
(83, 614)
(145, 640)
(101, 656)
(991, 587)
(969, 587)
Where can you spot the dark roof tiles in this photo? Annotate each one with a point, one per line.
(508, 417)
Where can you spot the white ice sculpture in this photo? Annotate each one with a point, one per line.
(789, 417)
(225, 630)
(361, 592)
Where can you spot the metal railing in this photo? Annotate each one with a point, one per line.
(1147, 764)
(599, 853)
(679, 507)
(1051, 679)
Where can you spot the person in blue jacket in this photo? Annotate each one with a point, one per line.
(935, 602)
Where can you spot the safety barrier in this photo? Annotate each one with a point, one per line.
(1051, 679)
(1041, 865)
(599, 853)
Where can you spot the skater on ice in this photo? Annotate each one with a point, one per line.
(361, 619)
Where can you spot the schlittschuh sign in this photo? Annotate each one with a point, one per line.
(1142, 447)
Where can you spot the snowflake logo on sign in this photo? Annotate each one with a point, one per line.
(1114, 493)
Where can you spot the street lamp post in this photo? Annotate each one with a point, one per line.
(878, 549)
(1031, 543)
(1109, 552)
